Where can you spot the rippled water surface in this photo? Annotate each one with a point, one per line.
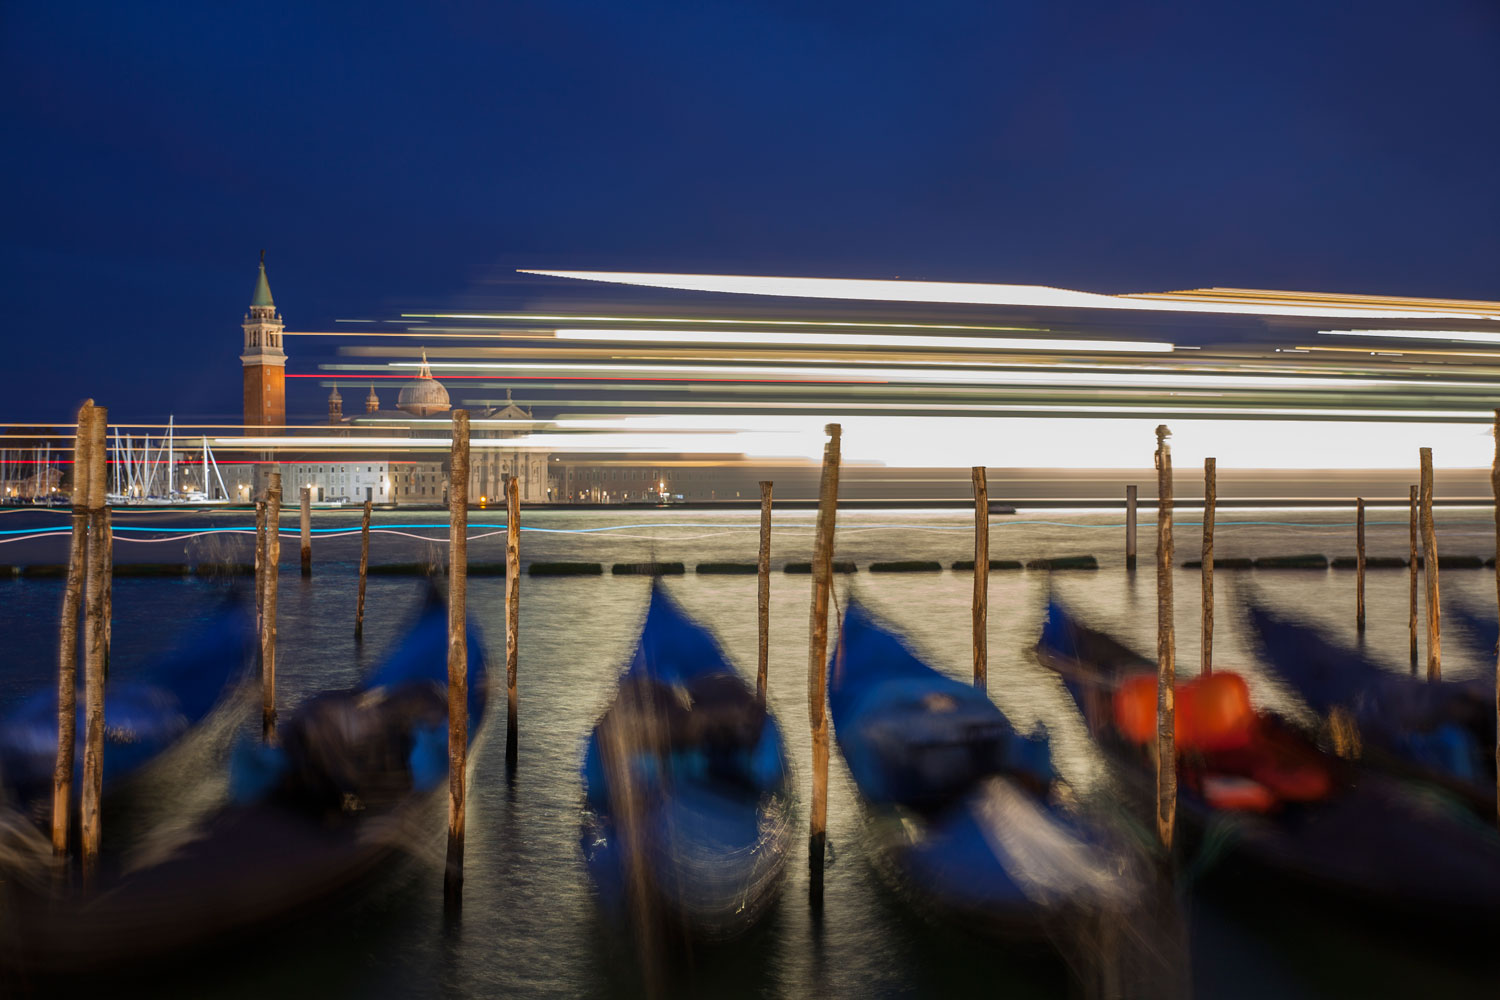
(529, 926)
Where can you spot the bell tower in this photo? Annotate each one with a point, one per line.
(263, 360)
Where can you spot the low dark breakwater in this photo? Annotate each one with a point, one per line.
(529, 926)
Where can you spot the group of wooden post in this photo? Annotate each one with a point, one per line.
(89, 565)
(1421, 523)
(267, 557)
(1165, 749)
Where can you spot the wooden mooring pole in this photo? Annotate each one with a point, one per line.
(364, 569)
(458, 654)
(1412, 562)
(1166, 648)
(307, 531)
(763, 595)
(107, 537)
(67, 661)
(512, 617)
(268, 609)
(1430, 561)
(817, 665)
(1359, 563)
(96, 589)
(1130, 492)
(1210, 498)
(1495, 488)
(260, 568)
(981, 577)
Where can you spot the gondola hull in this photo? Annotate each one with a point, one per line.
(1373, 845)
(689, 813)
(1441, 733)
(356, 785)
(142, 717)
(958, 803)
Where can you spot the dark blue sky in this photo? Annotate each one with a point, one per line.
(412, 155)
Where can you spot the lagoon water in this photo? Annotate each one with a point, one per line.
(529, 926)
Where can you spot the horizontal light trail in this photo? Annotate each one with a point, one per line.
(1261, 295)
(1481, 413)
(961, 293)
(874, 325)
(1453, 336)
(872, 340)
(1409, 351)
(560, 373)
(1164, 379)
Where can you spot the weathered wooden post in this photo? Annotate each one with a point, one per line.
(1210, 498)
(817, 657)
(1495, 488)
(458, 654)
(1130, 492)
(96, 589)
(1430, 561)
(260, 567)
(1166, 647)
(1359, 563)
(268, 609)
(1412, 562)
(981, 577)
(512, 617)
(307, 531)
(364, 568)
(67, 661)
(763, 595)
(108, 539)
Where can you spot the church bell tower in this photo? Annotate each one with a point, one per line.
(263, 360)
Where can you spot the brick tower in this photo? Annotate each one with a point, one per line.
(263, 360)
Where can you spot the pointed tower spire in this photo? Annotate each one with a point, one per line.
(372, 401)
(263, 360)
(262, 296)
(424, 371)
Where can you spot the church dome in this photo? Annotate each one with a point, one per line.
(423, 396)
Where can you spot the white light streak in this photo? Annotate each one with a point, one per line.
(554, 318)
(1160, 379)
(867, 340)
(961, 293)
(1458, 336)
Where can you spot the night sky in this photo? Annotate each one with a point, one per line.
(396, 156)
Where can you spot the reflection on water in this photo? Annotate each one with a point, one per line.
(529, 925)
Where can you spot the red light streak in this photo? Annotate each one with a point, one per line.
(615, 378)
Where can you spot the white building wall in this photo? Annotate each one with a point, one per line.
(355, 482)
